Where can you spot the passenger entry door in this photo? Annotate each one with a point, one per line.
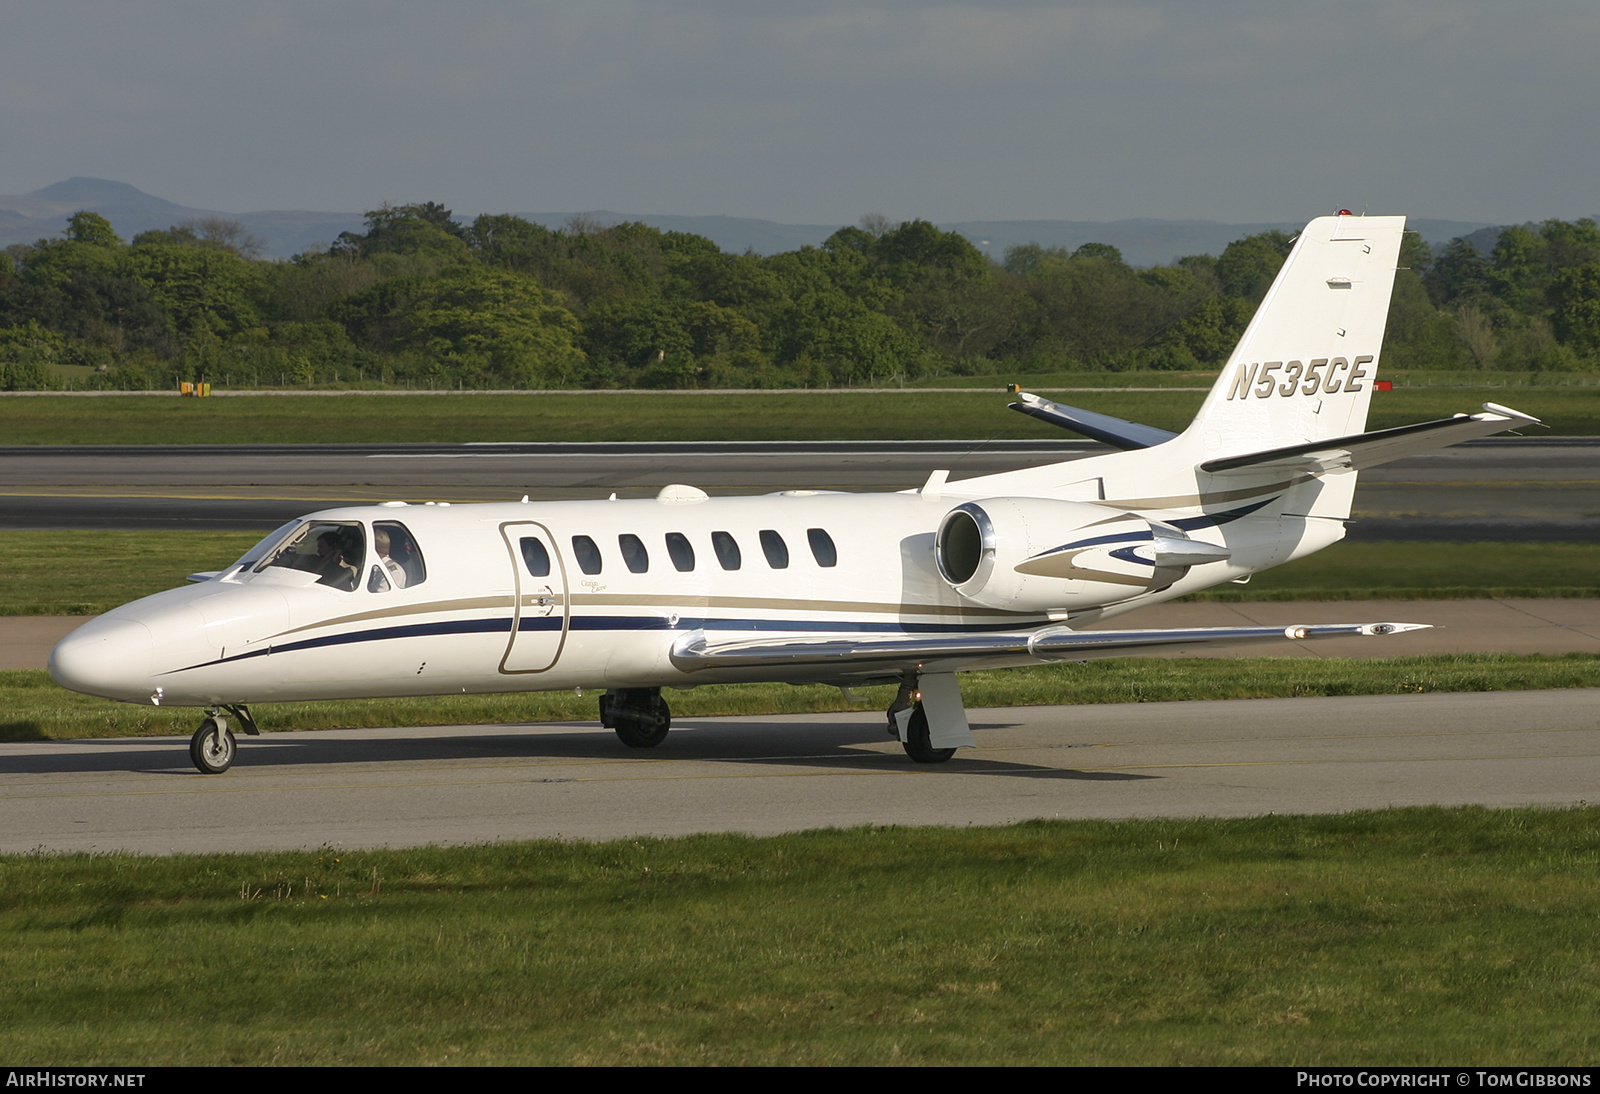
(539, 613)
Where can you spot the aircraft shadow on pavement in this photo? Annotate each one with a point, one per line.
(856, 746)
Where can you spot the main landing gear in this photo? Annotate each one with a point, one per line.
(639, 715)
(212, 748)
(938, 696)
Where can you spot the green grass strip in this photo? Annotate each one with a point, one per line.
(36, 709)
(92, 571)
(1445, 937)
(926, 414)
(1405, 570)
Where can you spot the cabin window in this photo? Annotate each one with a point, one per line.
(822, 548)
(535, 556)
(681, 550)
(633, 552)
(333, 550)
(398, 554)
(775, 549)
(587, 554)
(727, 549)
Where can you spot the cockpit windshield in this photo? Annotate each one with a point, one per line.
(265, 545)
(334, 550)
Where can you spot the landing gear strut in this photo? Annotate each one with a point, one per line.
(639, 715)
(213, 748)
(908, 723)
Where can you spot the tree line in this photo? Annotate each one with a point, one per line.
(420, 299)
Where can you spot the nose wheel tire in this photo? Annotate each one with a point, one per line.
(917, 744)
(212, 747)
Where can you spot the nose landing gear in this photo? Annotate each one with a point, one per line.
(212, 748)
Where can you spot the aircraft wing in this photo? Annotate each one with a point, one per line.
(857, 652)
(1365, 450)
(1117, 432)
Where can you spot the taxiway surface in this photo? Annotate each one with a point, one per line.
(473, 784)
(1517, 488)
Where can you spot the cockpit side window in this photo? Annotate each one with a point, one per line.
(333, 550)
(397, 552)
(587, 554)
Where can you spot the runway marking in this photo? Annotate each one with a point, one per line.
(1487, 483)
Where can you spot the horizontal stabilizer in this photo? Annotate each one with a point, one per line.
(1101, 427)
(1371, 449)
(855, 652)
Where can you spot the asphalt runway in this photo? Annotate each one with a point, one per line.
(474, 784)
(1519, 488)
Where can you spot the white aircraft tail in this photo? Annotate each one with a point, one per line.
(1304, 369)
(1288, 414)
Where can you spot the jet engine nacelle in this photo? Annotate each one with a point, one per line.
(1036, 554)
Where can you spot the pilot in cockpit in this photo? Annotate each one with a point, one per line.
(332, 566)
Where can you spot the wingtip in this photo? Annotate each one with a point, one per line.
(1394, 628)
(1496, 408)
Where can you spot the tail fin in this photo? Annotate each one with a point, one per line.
(1303, 371)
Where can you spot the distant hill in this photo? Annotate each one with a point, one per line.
(43, 213)
(1143, 242)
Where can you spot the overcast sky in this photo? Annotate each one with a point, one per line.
(816, 111)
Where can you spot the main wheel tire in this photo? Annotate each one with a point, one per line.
(917, 744)
(644, 730)
(212, 748)
(638, 735)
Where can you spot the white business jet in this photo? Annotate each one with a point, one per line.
(805, 586)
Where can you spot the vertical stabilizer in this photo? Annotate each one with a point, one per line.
(1305, 367)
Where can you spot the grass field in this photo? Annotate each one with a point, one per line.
(34, 708)
(1428, 936)
(599, 416)
(87, 572)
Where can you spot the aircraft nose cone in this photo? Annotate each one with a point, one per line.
(106, 657)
